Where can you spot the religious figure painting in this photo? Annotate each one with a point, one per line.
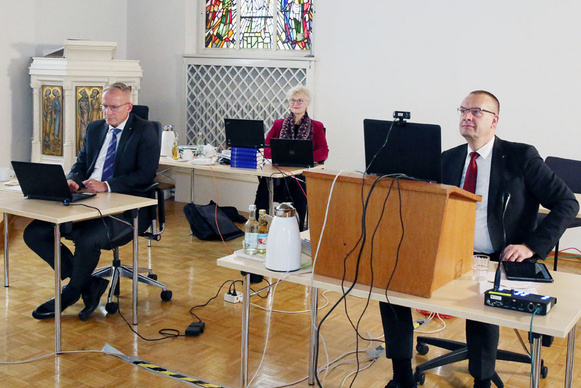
(88, 100)
(52, 120)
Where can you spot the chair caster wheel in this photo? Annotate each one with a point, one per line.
(420, 377)
(166, 295)
(544, 370)
(152, 276)
(112, 307)
(422, 348)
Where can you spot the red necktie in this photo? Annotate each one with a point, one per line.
(471, 173)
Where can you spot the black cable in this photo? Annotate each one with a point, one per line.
(381, 148)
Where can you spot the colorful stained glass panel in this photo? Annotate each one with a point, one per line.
(220, 23)
(294, 25)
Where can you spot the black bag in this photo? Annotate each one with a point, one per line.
(202, 219)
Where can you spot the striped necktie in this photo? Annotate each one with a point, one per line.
(109, 165)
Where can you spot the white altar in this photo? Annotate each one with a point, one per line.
(67, 88)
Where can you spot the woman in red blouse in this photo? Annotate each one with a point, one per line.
(297, 125)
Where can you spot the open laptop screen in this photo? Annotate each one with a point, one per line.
(244, 133)
(412, 149)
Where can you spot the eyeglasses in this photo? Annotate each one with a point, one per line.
(300, 101)
(476, 112)
(113, 108)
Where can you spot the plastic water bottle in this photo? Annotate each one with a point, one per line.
(262, 231)
(200, 144)
(251, 232)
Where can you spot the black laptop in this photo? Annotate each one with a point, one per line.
(411, 149)
(292, 152)
(244, 133)
(45, 181)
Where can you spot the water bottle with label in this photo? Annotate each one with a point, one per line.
(262, 231)
(251, 232)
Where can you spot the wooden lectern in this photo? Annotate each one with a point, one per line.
(424, 239)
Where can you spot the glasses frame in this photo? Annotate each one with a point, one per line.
(472, 110)
(300, 101)
(113, 108)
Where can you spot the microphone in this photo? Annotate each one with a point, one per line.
(497, 275)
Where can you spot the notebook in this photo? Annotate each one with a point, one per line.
(45, 181)
(244, 133)
(412, 149)
(292, 152)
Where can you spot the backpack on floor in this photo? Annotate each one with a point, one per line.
(202, 219)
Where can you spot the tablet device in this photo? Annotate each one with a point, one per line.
(527, 271)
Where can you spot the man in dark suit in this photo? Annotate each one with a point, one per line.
(119, 154)
(500, 170)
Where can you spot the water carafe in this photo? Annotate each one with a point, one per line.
(283, 248)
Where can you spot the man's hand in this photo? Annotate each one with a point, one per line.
(94, 186)
(73, 186)
(517, 252)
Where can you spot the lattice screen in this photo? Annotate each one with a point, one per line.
(219, 91)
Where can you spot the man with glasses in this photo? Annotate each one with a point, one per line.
(120, 154)
(512, 180)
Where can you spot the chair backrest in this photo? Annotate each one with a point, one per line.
(568, 170)
(141, 111)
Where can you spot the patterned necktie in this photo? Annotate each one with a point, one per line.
(471, 173)
(109, 165)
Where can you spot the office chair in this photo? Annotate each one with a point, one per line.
(156, 217)
(459, 352)
(570, 172)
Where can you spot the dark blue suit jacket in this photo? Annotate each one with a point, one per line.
(519, 170)
(136, 160)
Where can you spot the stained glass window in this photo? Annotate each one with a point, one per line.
(220, 23)
(294, 25)
(250, 24)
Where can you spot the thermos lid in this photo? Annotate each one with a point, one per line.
(285, 209)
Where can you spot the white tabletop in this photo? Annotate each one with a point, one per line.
(460, 298)
(57, 213)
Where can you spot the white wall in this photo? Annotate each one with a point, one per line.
(424, 57)
(156, 36)
(30, 27)
(16, 48)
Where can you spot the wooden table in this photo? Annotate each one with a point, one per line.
(56, 213)
(460, 298)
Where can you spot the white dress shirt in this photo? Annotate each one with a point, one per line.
(482, 242)
(98, 170)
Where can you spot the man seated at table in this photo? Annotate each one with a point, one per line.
(120, 154)
(494, 169)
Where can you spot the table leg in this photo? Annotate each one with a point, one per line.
(244, 334)
(5, 249)
(536, 360)
(270, 196)
(314, 343)
(135, 265)
(570, 355)
(57, 288)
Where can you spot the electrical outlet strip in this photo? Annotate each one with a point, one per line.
(230, 298)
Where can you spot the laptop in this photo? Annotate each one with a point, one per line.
(412, 149)
(292, 152)
(244, 133)
(45, 181)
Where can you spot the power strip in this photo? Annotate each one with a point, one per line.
(233, 297)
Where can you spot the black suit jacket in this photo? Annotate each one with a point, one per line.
(518, 169)
(136, 160)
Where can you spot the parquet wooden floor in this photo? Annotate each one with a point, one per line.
(188, 266)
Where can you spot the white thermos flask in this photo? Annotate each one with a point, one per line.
(283, 247)
(167, 139)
